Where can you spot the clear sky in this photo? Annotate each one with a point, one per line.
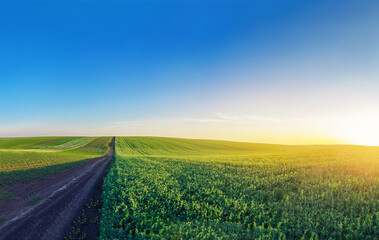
(293, 72)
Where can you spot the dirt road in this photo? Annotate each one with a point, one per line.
(59, 200)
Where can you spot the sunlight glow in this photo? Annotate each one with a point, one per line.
(362, 129)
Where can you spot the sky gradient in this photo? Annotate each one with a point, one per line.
(292, 72)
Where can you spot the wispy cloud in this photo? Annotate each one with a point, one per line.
(244, 118)
(219, 118)
(171, 120)
(227, 117)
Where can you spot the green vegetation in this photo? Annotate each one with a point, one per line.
(5, 195)
(35, 200)
(20, 162)
(90, 216)
(75, 143)
(99, 146)
(164, 188)
(32, 142)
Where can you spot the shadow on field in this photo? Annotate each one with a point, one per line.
(29, 175)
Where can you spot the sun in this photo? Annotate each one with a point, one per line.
(362, 128)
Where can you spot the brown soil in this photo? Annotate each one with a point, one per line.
(62, 198)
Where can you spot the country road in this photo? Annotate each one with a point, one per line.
(62, 199)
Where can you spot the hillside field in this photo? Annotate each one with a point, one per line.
(166, 188)
(27, 159)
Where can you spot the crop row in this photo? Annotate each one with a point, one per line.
(327, 193)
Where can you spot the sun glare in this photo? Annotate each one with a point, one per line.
(362, 129)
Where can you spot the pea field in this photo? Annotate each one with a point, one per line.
(27, 159)
(167, 188)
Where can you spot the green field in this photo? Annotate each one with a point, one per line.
(27, 159)
(165, 188)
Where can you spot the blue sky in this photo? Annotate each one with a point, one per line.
(266, 71)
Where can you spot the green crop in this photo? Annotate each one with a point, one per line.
(163, 188)
(32, 142)
(68, 145)
(21, 162)
(5, 195)
(34, 200)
